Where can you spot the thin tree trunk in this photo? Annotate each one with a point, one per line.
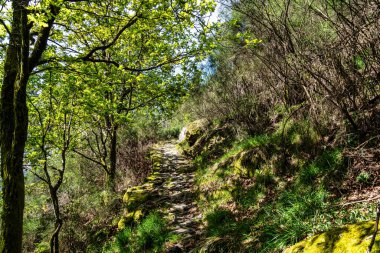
(113, 160)
(14, 123)
(54, 240)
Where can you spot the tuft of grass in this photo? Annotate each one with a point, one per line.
(151, 233)
(42, 247)
(148, 236)
(329, 166)
(363, 177)
(297, 136)
(220, 222)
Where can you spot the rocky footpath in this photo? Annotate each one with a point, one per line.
(170, 191)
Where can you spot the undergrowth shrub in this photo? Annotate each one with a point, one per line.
(133, 162)
(233, 93)
(169, 133)
(297, 135)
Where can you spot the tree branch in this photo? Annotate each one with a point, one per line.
(131, 22)
(5, 26)
(88, 158)
(42, 39)
(158, 65)
(39, 177)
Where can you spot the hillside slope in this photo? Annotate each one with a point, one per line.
(267, 192)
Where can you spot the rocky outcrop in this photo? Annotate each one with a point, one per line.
(209, 140)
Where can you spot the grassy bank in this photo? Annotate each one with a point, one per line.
(270, 191)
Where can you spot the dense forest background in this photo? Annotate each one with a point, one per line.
(291, 87)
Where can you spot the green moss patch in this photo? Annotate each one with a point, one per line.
(349, 239)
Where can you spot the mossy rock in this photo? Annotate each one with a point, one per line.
(154, 180)
(215, 146)
(215, 142)
(115, 221)
(148, 186)
(247, 162)
(186, 168)
(156, 165)
(130, 218)
(134, 197)
(194, 130)
(156, 158)
(209, 141)
(152, 177)
(353, 238)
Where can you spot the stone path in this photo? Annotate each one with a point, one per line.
(170, 190)
(177, 194)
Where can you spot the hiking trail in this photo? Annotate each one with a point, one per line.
(170, 190)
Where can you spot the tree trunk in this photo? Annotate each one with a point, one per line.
(14, 124)
(113, 159)
(54, 240)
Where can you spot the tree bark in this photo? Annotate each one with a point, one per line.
(14, 124)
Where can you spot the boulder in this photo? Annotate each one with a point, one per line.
(195, 130)
(208, 140)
